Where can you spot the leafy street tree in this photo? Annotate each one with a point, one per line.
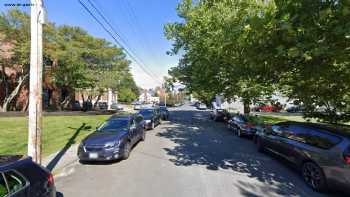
(249, 49)
(14, 30)
(73, 58)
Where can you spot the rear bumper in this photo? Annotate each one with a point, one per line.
(148, 125)
(338, 178)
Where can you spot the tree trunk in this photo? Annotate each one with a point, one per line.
(8, 99)
(97, 100)
(246, 104)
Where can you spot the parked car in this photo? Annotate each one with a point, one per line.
(295, 109)
(113, 140)
(321, 152)
(151, 116)
(202, 106)
(218, 114)
(264, 107)
(137, 106)
(76, 106)
(117, 107)
(21, 177)
(241, 126)
(87, 105)
(102, 106)
(164, 113)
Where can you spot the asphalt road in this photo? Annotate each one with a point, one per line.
(189, 155)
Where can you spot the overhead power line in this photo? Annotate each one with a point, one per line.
(130, 54)
(137, 27)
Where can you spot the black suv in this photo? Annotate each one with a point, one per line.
(321, 152)
(21, 177)
(151, 116)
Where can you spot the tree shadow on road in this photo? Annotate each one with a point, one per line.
(52, 164)
(200, 141)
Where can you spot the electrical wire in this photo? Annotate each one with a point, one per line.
(130, 54)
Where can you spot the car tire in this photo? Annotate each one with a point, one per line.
(239, 132)
(259, 145)
(313, 176)
(126, 151)
(143, 137)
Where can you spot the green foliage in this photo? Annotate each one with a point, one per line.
(249, 49)
(77, 59)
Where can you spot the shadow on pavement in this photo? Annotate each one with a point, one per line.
(200, 141)
(52, 164)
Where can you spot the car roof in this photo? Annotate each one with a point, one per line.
(339, 129)
(148, 108)
(6, 161)
(121, 117)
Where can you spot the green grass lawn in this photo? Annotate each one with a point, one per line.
(57, 132)
(273, 119)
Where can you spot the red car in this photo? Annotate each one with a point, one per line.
(262, 107)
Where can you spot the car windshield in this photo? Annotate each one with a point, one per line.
(146, 113)
(114, 125)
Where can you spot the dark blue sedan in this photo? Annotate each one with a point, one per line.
(113, 140)
(21, 177)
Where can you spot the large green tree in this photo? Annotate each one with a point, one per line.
(76, 59)
(216, 38)
(251, 48)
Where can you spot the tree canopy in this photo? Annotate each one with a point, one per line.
(249, 49)
(77, 60)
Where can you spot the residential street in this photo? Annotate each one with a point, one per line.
(190, 155)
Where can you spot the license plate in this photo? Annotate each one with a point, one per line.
(93, 155)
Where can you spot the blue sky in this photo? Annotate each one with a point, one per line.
(140, 23)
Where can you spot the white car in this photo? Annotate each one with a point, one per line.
(117, 107)
(202, 106)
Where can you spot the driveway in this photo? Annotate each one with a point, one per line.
(189, 155)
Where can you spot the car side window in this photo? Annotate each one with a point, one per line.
(15, 181)
(277, 130)
(297, 133)
(322, 139)
(3, 189)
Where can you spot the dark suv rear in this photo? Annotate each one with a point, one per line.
(24, 178)
(321, 152)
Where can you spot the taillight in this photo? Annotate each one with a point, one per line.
(249, 126)
(50, 180)
(347, 159)
(347, 155)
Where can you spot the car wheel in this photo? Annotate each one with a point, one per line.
(259, 145)
(254, 138)
(127, 149)
(314, 177)
(143, 137)
(239, 132)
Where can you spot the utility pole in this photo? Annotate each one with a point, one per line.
(37, 19)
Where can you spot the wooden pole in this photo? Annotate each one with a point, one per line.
(35, 87)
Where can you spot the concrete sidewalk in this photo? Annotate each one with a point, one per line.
(59, 161)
